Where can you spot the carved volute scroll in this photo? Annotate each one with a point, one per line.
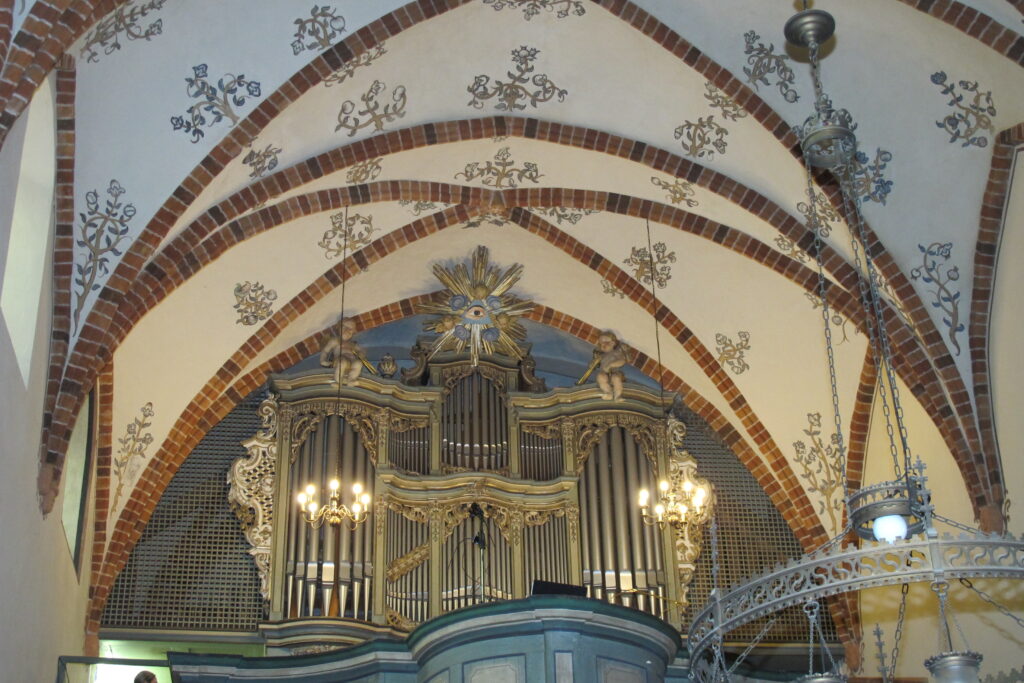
(589, 430)
(251, 490)
(363, 418)
(450, 376)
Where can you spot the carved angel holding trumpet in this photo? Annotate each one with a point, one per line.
(609, 357)
(344, 354)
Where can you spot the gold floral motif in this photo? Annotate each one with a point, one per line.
(346, 235)
(764, 62)
(364, 171)
(100, 233)
(648, 270)
(732, 353)
(789, 248)
(837, 320)
(501, 172)
(967, 120)
(515, 93)
(608, 288)
(823, 469)
(701, 139)
(132, 451)
(531, 8)
(731, 111)
(318, 31)
(419, 207)
(371, 113)
(679, 192)
(254, 302)
(123, 19)
(934, 271)
(349, 67)
(563, 214)
(262, 161)
(822, 209)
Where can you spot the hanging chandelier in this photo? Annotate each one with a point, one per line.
(894, 519)
(683, 499)
(334, 512)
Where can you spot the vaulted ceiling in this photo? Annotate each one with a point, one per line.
(211, 151)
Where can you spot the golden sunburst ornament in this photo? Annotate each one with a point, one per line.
(476, 310)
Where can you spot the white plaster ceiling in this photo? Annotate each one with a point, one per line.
(618, 81)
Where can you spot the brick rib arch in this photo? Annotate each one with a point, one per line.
(164, 273)
(986, 252)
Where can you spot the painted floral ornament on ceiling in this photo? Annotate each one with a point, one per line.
(475, 310)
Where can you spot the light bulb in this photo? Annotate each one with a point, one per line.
(644, 497)
(365, 499)
(889, 528)
(334, 484)
(663, 485)
(302, 499)
(659, 509)
(357, 488)
(356, 509)
(687, 486)
(682, 508)
(312, 508)
(310, 490)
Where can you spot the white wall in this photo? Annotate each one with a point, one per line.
(42, 599)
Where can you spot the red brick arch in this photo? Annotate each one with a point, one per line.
(166, 271)
(990, 230)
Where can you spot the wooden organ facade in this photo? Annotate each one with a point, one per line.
(482, 482)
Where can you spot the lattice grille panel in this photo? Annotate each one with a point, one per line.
(191, 568)
(752, 536)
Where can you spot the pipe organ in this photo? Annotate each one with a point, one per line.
(482, 483)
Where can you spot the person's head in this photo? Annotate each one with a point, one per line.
(145, 677)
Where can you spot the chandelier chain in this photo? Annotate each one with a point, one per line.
(811, 608)
(826, 318)
(657, 325)
(875, 336)
(875, 322)
(990, 600)
(753, 643)
(898, 638)
(941, 589)
(953, 523)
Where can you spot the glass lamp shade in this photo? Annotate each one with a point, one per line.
(889, 528)
(954, 667)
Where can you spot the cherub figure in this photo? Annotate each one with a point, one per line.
(344, 354)
(608, 359)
